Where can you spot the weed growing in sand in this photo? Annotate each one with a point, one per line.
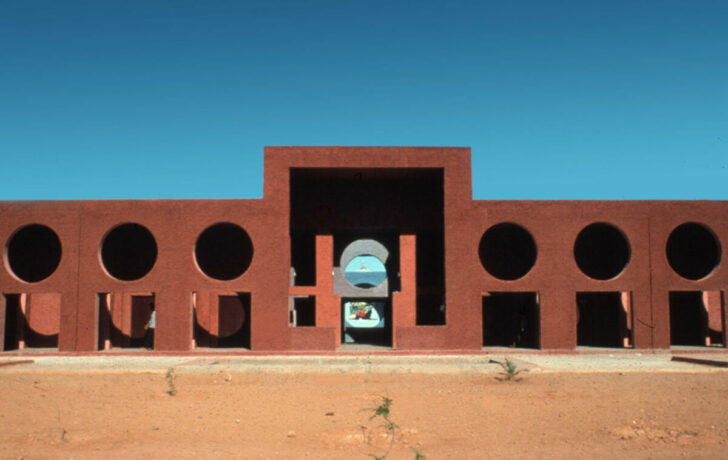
(510, 371)
(169, 377)
(381, 410)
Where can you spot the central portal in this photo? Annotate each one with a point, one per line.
(366, 212)
(362, 280)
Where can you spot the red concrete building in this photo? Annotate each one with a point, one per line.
(378, 246)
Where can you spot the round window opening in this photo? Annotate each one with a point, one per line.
(129, 252)
(507, 251)
(33, 253)
(693, 251)
(224, 251)
(365, 272)
(601, 251)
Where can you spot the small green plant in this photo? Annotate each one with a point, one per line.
(381, 410)
(169, 377)
(510, 371)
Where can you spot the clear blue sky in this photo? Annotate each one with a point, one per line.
(176, 99)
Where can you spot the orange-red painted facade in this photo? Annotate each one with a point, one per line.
(85, 305)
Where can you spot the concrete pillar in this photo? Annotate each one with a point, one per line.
(328, 305)
(627, 327)
(404, 302)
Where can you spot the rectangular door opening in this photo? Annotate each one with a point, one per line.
(689, 322)
(603, 320)
(511, 319)
(225, 323)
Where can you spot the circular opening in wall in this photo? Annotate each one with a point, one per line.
(128, 252)
(601, 251)
(507, 251)
(224, 251)
(365, 272)
(693, 251)
(33, 253)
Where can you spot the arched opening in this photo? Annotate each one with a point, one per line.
(129, 252)
(33, 253)
(693, 251)
(365, 271)
(507, 251)
(601, 251)
(224, 251)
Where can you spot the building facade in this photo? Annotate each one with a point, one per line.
(363, 246)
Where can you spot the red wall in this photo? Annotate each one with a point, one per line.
(176, 224)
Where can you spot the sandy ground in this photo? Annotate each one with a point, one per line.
(598, 406)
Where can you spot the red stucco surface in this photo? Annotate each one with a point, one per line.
(67, 302)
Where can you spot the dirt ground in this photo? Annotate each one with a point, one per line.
(217, 413)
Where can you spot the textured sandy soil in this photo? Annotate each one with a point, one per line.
(217, 413)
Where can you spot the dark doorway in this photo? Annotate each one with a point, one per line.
(511, 319)
(430, 309)
(602, 320)
(233, 324)
(18, 331)
(13, 321)
(688, 318)
(139, 313)
(304, 311)
(303, 259)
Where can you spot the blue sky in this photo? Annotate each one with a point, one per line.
(176, 99)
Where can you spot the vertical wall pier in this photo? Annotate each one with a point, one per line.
(603, 320)
(103, 303)
(511, 319)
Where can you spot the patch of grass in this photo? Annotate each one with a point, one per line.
(510, 370)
